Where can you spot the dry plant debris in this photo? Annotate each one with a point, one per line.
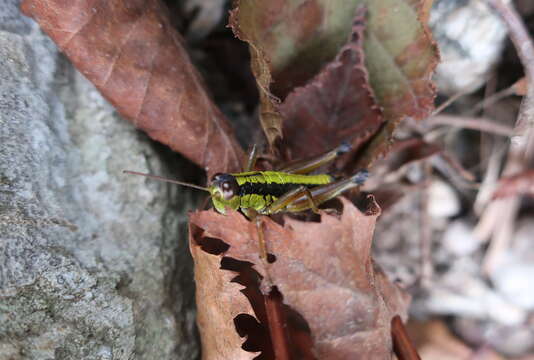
(324, 271)
(338, 103)
(130, 51)
(321, 296)
(291, 41)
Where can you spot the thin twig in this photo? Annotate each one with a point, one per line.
(426, 231)
(448, 102)
(522, 141)
(458, 167)
(402, 345)
(492, 99)
(277, 325)
(491, 175)
(474, 123)
(487, 142)
(502, 234)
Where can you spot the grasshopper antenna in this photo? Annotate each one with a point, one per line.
(155, 177)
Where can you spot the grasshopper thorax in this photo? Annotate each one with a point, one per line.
(224, 191)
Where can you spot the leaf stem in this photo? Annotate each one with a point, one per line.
(402, 345)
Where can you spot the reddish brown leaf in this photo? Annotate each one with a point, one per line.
(295, 38)
(337, 105)
(403, 346)
(243, 28)
(325, 273)
(223, 310)
(291, 40)
(520, 184)
(129, 50)
(401, 57)
(219, 302)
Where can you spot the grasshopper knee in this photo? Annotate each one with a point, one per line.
(343, 148)
(360, 177)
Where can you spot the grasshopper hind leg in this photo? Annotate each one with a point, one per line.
(323, 193)
(304, 166)
(303, 198)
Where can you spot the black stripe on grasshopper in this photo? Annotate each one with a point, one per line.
(263, 189)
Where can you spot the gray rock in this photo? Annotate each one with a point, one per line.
(513, 277)
(470, 37)
(208, 14)
(458, 239)
(514, 280)
(94, 264)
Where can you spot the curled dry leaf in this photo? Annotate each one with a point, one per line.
(400, 57)
(292, 40)
(324, 272)
(219, 301)
(520, 184)
(337, 105)
(402, 344)
(129, 50)
(244, 28)
(295, 38)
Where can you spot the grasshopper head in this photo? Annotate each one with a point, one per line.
(224, 192)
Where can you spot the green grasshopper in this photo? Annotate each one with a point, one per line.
(289, 189)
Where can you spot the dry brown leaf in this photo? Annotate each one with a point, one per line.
(401, 57)
(337, 105)
(403, 346)
(228, 332)
(270, 118)
(324, 272)
(219, 301)
(291, 40)
(130, 51)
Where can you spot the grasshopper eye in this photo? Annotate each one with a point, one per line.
(226, 184)
(229, 189)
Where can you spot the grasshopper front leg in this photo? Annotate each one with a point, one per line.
(253, 215)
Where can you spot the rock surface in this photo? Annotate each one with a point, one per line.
(94, 264)
(470, 37)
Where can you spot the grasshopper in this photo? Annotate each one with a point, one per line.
(289, 189)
